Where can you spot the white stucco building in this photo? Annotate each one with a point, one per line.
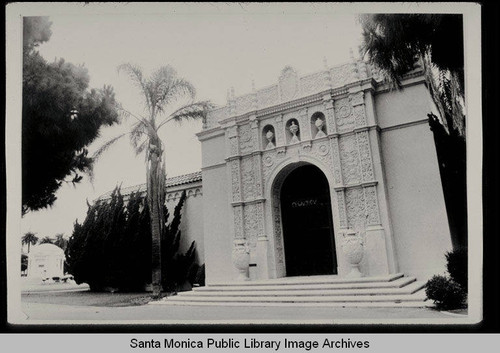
(326, 174)
(361, 158)
(45, 261)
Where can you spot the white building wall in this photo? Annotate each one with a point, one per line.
(415, 195)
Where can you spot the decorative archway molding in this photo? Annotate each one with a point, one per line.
(274, 230)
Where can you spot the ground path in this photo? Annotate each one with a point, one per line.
(79, 304)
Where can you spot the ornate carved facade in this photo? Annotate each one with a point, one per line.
(327, 119)
(319, 119)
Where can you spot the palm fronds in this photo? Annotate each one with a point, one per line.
(107, 145)
(195, 111)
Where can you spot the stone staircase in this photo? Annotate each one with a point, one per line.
(386, 291)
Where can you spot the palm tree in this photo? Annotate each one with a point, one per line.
(162, 89)
(395, 43)
(61, 241)
(29, 238)
(46, 240)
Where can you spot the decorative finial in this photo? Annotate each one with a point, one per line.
(232, 92)
(253, 85)
(228, 95)
(351, 54)
(325, 63)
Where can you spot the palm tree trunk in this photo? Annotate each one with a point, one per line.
(156, 213)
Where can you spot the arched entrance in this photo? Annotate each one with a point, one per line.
(306, 216)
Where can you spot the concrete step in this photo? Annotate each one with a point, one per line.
(307, 299)
(397, 283)
(387, 291)
(285, 292)
(310, 280)
(405, 304)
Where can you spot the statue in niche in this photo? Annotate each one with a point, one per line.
(294, 128)
(270, 138)
(319, 123)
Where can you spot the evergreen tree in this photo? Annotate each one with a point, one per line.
(60, 118)
(60, 241)
(112, 247)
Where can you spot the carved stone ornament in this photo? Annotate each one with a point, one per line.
(294, 128)
(323, 149)
(288, 83)
(319, 123)
(349, 159)
(268, 160)
(241, 259)
(353, 248)
(248, 178)
(270, 139)
(246, 140)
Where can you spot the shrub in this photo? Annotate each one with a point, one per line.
(456, 264)
(198, 276)
(446, 293)
(24, 262)
(112, 247)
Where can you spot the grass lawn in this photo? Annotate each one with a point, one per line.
(34, 291)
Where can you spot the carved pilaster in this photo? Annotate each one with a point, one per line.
(337, 167)
(256, 137)
(248, 178)
(280, 259)
(232, 147)
(257, 165)
(305, 126)
(251, 225)
(330, 116)
(238, 222)
(342, 208)
(234, 166)
(365, 155)
(349, 159)
(246, 138)
(371, 205)
(355, 207)
(280, 132)
(358, 106)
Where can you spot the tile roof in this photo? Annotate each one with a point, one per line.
(169, 182)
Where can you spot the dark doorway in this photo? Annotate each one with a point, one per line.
(307, 223)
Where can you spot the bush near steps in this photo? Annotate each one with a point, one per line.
(450, 293)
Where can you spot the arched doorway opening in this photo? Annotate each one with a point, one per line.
(306, 216)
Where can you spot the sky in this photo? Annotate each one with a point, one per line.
(214, 46)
